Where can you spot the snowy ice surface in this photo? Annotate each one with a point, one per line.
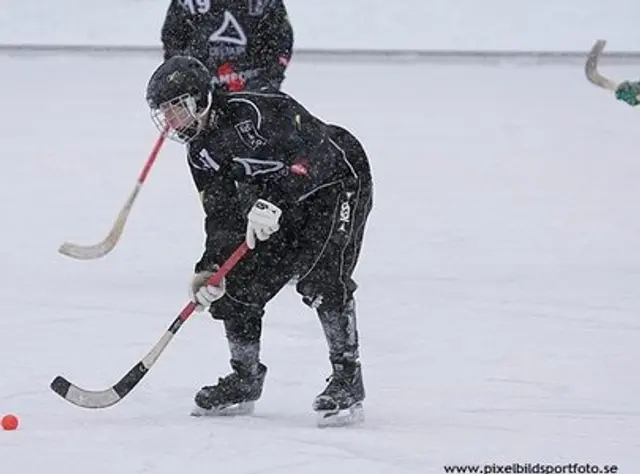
(500, 279)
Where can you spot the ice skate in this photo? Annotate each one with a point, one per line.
(340, 403)
(233, 395)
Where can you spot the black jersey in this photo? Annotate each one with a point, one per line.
(242, 42)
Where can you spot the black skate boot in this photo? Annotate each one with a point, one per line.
(234, 394)
(341, 402)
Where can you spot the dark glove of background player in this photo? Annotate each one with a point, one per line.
(628, 92)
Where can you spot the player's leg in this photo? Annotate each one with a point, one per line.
(249, 286)
(329, 288)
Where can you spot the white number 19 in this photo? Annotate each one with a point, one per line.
(197, 6)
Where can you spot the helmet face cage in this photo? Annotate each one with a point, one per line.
(181, 117)
(180, 94)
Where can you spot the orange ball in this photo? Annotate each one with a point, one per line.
(9, 422)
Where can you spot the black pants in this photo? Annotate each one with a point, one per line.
(322, 250)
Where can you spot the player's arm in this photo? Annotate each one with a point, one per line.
(223, 223)
(176, 30)
(274, 45)
(279, 159)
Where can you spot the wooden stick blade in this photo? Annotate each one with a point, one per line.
(90, 252)
(105, 398)
(84, 398)
(591, 67)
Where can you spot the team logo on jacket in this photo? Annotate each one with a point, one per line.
(249, 135)
(258, 166)
(229, 40)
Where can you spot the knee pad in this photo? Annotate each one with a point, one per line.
(326, 296)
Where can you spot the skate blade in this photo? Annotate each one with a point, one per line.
(334, 418)
(239, 409)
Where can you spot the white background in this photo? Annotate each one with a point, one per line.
(351, 24)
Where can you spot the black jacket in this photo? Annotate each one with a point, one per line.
(270, 142)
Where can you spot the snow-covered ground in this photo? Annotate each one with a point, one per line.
(500, 279)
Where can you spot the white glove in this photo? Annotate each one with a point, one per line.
(202, 294)
(262, 221)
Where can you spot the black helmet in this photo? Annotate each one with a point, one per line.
(179, 94)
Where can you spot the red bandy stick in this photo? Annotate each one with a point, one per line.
(112, 395)
(90, 252)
